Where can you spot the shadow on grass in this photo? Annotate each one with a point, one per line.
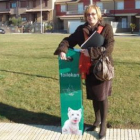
(18, 115)
(28, 74)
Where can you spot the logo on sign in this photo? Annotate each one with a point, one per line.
(69, 91)
(69, 75)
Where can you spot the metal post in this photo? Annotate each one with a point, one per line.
(91, 2)
(41, 14)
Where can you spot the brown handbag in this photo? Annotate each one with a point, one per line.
(103, 70)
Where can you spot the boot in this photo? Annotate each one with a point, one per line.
(103, 111)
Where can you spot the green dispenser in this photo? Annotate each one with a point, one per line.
(72, 112)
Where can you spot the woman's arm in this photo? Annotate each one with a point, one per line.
(68, 42)
(108, 46)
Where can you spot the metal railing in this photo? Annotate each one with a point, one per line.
(104, 11)
(74, 12)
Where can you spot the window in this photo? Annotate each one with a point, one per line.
(63, 8)
(34, 3)
(13, 5)
(46, 3)
(100, 4)
(124, 23)
(24, 17)
(120, 5)
(7, 5)
(0, 18)
(23, 4)
(45, 16)
(80, 8)
(137, 4)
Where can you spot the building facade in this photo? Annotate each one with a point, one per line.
(28, 10)
(66, 15)
(119, 13)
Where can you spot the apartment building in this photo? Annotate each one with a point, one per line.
(66, 15)
(119, 13)
(126, 12)
(28, 10)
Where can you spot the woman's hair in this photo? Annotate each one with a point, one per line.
(98, 11)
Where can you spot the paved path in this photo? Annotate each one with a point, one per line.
(15, 131)
(127, 34)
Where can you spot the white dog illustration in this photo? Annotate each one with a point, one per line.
(71, 126)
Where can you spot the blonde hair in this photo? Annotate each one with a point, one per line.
(98, 11)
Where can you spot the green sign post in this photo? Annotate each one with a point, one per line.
(72, 120)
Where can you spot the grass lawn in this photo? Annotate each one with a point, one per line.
(29, 82)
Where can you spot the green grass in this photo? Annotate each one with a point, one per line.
(29, 82)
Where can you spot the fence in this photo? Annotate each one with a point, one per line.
(27, 28)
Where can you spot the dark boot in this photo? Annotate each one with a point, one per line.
(103, 111)
(96, 107)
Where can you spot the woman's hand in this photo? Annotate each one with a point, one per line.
(63, 56)
(85, 52)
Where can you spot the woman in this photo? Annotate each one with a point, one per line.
(96, 90)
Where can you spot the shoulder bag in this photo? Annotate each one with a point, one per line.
(103, 70)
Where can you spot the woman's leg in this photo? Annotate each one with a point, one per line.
(103, 112)
(96, 107)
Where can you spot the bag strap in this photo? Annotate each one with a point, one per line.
(85, 36)
(100, 28)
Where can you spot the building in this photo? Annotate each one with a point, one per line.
(66, 15)
(28, 10)
(119, 13)
(126, 12)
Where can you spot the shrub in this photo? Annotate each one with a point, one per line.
(16, 21)
(133, 26)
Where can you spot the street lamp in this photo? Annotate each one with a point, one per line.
(41, 14)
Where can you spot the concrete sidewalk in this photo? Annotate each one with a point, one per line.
(16, 131)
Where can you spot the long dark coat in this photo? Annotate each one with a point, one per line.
(96, 90)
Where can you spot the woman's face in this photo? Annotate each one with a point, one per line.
(92, 17)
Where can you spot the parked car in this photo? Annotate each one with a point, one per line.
(2, 31)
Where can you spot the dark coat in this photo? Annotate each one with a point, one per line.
(95, 89)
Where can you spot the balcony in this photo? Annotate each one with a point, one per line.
(13, 11)
(126, 11)
(5, 11)
(104, 11)
(30, 10)
(74, 12)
